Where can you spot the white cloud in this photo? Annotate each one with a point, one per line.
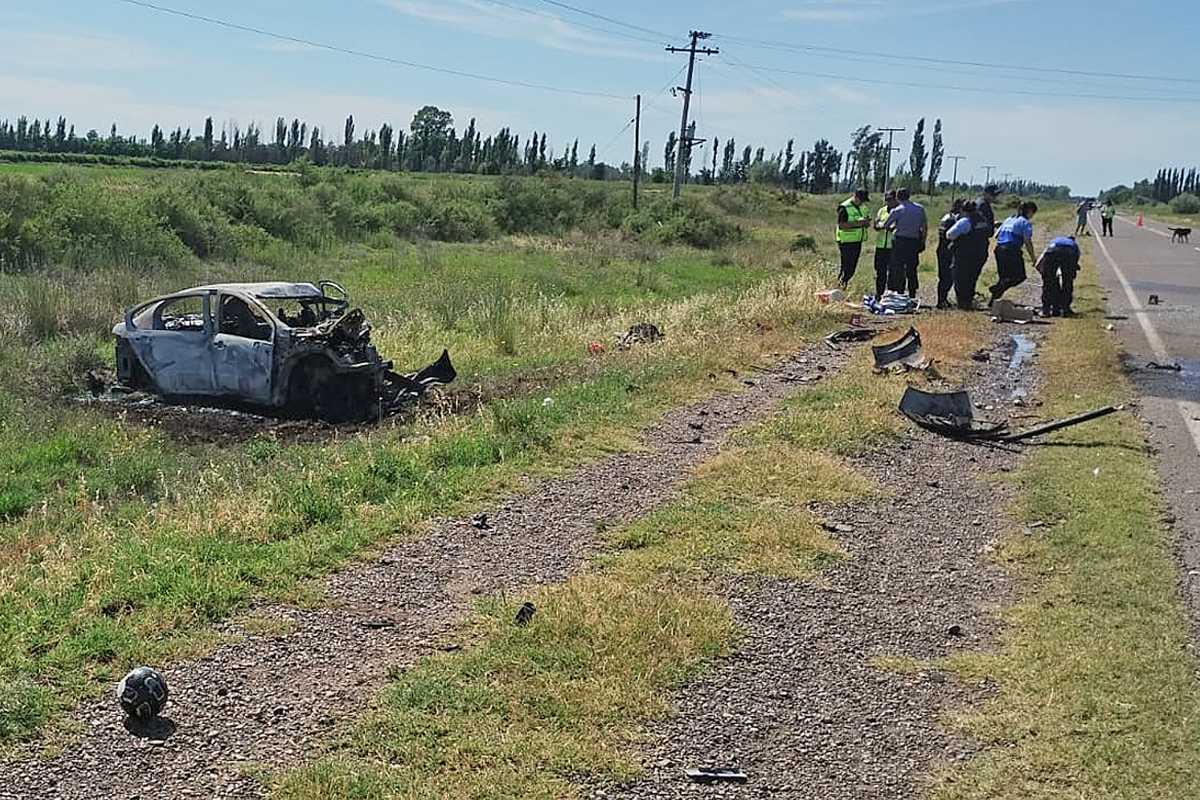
(33, 50)
(502, 22)
(859, 10)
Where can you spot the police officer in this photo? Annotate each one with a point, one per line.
(1015, 235)
(910, 225)
(1107, 212)
(852, 224)
(968, 239)
(883, 242)
(1058, 265)
(944, 256)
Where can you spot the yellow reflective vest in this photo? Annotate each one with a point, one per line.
(883, 238)
(853, 214)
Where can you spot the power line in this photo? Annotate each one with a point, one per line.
(645, 107)
(922, 85)
(802, 47)
(555, 17)
(363, 54)
(609, 20)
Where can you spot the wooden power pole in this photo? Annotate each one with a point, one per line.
(637, 149)
(887, 170)
(685, 141)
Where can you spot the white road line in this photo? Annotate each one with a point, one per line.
(1188, 410)
(1155, 231)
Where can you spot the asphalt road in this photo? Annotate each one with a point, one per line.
(1135, 264)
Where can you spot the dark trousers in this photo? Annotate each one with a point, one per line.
(850, 253)
(1108, 228)
(883, 261)
(902, 271)
(1010, 269)
(1058, 286)
(945, 264)
(966, 270)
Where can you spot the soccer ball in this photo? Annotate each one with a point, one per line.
(142, 693)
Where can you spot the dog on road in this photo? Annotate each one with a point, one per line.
(1180, 234)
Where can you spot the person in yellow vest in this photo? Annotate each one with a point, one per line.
(883, 242)
(1107, 212)
(853, 221)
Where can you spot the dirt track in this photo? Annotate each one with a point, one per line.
(803, 708)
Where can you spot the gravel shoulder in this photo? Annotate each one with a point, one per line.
(829, 694)
(273, 695)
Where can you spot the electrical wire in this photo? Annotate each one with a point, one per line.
(363, 54)
(803, 47)
(645, 107)
(984, 90)
(609, 20)
(556, 18)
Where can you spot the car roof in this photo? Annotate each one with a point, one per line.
(277, 290)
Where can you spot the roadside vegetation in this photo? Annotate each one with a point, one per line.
(1097, 693)
(120, 544)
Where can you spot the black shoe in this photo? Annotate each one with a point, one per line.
(1048, 312)
(942, 305)
(1066, 312)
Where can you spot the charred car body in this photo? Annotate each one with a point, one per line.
(298, 348)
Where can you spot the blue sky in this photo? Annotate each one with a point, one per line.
(104, 61)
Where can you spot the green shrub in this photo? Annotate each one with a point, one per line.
(803, 243)
(1186, 204)
(458, 220)
(684, 222)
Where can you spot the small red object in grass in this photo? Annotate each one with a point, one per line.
(595, 348)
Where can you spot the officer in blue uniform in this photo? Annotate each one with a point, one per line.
(1058, 265)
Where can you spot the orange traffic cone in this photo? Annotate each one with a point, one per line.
(1141, 220)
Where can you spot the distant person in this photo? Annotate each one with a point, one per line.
(883, 243)
(1107, 213)
(1058, 265)
(1081, 215)
(945, 259)
(852, 224)
(1015, 235)
(910, 225)
(968, 238)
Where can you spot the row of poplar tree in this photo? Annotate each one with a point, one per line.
(1170, 183)
(433, 144)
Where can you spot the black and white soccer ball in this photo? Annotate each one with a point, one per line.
(142, 693)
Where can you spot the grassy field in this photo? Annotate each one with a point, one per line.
(119, 543)
(1097, 678)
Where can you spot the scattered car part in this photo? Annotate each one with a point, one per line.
(982, 356)
(642, 333)
(1117, 317)
(142, 693)
(849, 335)
(1050, 427)
(287, 346)
(524, 614)
(952, 415)
(480, 522)
(1154, 300)
(1166, 367)
(904, 352)
(949, 414)
(716, 775)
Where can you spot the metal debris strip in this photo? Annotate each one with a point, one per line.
(904, 353)
(716, 775)
(850, 335)
(1154, 300)
(1165, 367)
(951, 414)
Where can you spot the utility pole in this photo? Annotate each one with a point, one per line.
(637, 149)
(953, 183)
(989, 168)
(887, 172)
(1007, 175)
(685, 141)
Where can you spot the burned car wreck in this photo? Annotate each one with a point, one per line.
(296, 348)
